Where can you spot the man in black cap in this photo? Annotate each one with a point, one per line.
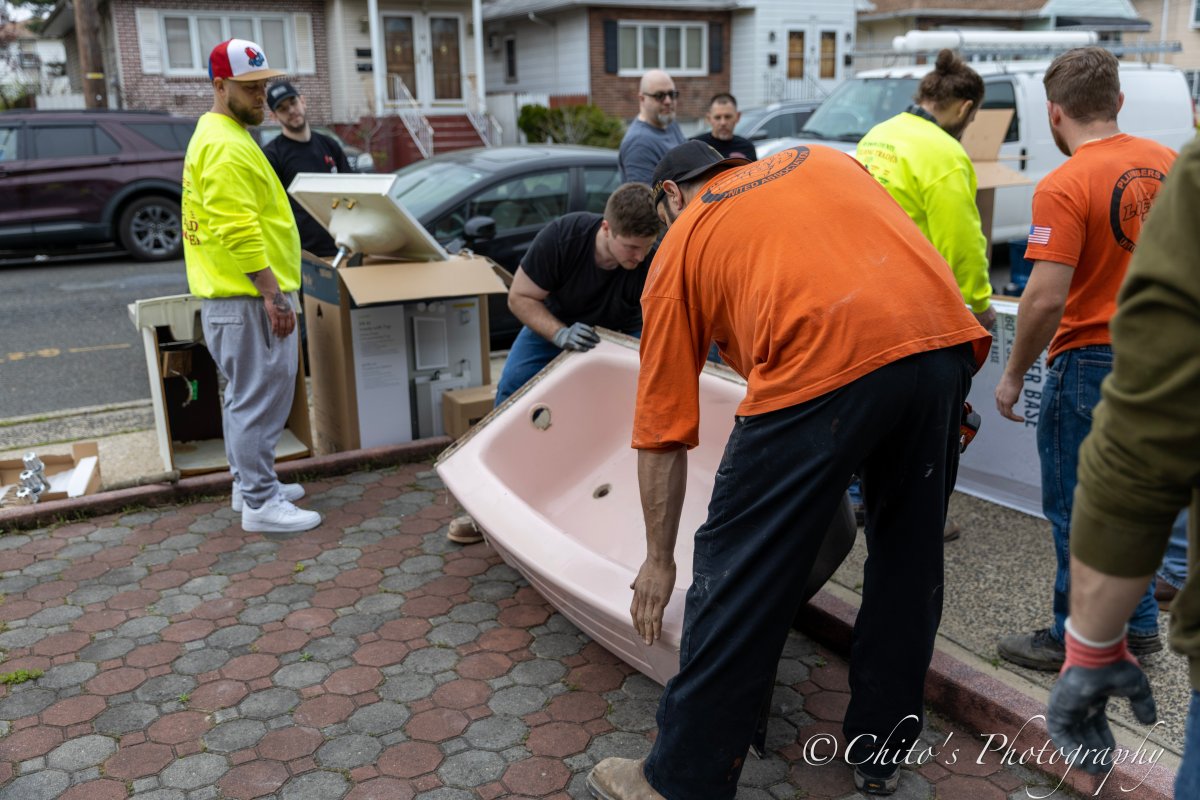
(846, 371)
(297, 149)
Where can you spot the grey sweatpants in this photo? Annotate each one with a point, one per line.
(259, 370)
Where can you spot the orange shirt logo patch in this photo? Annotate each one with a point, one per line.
(1132, 197)
(743, 179)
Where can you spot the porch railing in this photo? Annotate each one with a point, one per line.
(488, 127)
(415, 123)
(778, 88)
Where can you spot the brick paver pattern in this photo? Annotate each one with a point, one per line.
(369, 659)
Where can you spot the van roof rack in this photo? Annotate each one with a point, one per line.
(1027, 51)
(992, 44)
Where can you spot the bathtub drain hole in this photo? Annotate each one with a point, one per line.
(540, 417)
(602, 490)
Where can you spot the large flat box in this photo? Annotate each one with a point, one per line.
(982, 141)
(462, 408)
(1002, 465)
(185, 389)
(72, 475)
(388, 335)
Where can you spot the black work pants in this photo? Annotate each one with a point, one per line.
(781, 479)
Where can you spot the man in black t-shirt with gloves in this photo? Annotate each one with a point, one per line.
(582, 270)
(297, 149)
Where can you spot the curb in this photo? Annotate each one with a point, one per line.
(214, 483)
(984, 704)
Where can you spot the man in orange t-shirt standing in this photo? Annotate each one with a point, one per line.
(1087, 215)
(857, 352)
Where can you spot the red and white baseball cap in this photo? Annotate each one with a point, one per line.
(240, 60)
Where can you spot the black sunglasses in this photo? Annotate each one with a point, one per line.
(660, 96)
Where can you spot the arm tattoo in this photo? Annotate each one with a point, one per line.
(280, 302)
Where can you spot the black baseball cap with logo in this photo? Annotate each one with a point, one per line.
(279, 92)
(686, 161)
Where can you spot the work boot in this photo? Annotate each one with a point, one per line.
(463, 530)
(1142, 645)
(876, 778)
(621, 779)
(1164, 593)
(1037, 650)
(951, 532)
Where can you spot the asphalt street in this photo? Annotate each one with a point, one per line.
(65, 336)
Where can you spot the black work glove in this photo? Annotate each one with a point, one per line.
(1076, 719)
(580, 337)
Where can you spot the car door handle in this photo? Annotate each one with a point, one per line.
(1024, 158)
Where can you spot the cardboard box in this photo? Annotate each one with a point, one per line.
(1002, 465)
(386, 337)
(462, 408)
(185, 390)
(982, 141)
(71, 475)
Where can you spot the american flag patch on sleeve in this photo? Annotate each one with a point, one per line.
(1039, 234)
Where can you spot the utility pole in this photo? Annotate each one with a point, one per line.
(91, 57)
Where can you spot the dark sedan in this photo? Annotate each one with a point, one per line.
(495, 200)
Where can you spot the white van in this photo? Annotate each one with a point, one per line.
(1157, 106)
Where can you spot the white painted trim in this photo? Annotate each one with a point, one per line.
(678, 72)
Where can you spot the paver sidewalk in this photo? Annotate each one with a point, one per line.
(181, 658)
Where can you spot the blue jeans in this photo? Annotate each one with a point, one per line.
(1071, 391)
(1174, 567)
(1187, 779)
(529, 353)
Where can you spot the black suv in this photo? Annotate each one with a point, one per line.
(76, 178)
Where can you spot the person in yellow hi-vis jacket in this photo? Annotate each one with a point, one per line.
(917, 156)
(242, 251)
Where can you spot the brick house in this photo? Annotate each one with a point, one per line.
(570, 51)
(400, 78)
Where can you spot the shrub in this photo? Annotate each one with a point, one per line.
(571, 125)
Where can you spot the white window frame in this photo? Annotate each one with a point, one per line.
(683, 25)
(288, 62)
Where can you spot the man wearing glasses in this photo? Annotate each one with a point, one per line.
(654, 131)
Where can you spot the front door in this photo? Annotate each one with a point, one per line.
(423, 55)
(812, 60)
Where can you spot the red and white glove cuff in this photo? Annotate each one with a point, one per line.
(1082, 652)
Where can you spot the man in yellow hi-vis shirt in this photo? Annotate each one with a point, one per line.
(242, 251)
(917, 156)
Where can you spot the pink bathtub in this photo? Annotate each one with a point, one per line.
(551, 480)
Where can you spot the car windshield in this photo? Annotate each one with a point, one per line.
(858, 105)
(425, 185)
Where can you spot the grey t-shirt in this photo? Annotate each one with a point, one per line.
(643, 147)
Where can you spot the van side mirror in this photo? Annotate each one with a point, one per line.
(479, 229)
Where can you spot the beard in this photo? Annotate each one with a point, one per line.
(297, 128)
(248, 115)
(665, 118)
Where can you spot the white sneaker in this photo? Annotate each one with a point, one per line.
(278, 515)
(288, 491)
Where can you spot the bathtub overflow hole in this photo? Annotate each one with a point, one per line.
(602, 490)
(540, 417)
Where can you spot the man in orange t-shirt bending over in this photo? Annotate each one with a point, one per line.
(857, 352)
(1087, 216)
